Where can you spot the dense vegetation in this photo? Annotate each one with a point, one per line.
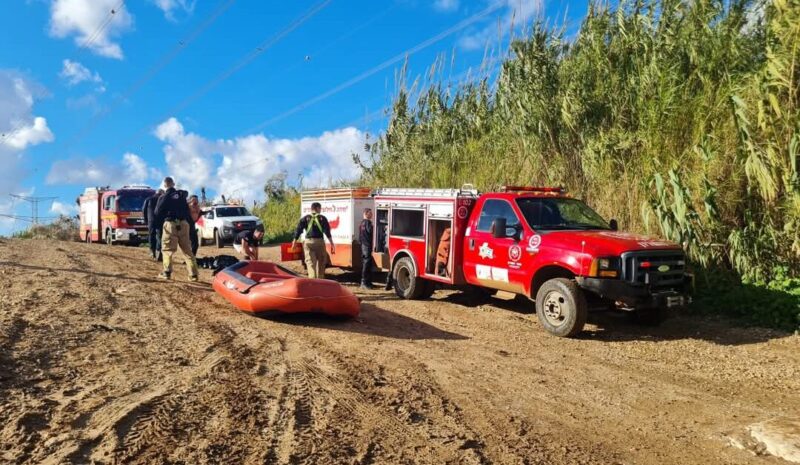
(677, 118)
(63, 228)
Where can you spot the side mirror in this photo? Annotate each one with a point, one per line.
(613, 224)
(499, 228)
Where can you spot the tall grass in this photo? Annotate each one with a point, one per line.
(677, 118)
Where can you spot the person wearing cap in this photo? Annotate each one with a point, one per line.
(247, 242)
(316, 228)
(173, 211)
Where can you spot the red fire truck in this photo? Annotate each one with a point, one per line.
(113, 215)
(536, 242)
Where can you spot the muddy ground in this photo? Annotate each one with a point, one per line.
(102, 363)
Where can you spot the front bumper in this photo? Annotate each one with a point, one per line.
(130, 235)
(637, 296)
(229, 233)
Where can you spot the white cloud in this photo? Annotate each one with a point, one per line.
(131, 169)
(92, 23)
(446, 5)
(189, 157)
(247, 162)
(515, 13)
(75, 73)
(60, 208)
(169, 7)
(19, 127)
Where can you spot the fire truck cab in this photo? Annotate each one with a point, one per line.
(113, 215)
(534, 242)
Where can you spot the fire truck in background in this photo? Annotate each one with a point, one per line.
(113, 215)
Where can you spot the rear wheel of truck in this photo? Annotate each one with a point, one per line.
(561, 307)
(218, 239)
(406, 284)
(88, 237)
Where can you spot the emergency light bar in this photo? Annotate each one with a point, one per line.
(559, 190)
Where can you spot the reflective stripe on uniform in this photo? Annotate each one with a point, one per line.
(314, 221)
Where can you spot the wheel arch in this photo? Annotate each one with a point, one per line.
(545, 274)
(402, 254)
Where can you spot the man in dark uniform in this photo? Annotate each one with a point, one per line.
(316, 228)
(153, 228)
(173, 211)
(247, 242)
(365, 239)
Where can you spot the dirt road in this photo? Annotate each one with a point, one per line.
(101, 363)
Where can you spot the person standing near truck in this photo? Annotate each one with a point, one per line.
(365, 239)
(153, 227)
(173, 211)
(194, 214)
(316, 228)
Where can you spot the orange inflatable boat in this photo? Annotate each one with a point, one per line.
(257, 287)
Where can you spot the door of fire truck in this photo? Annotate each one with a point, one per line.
(495, 262)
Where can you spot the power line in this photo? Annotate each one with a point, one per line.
(98, 32)
(260, 49)
(152, 72)
(427, 43)
(34, 201)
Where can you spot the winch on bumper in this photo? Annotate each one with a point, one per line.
(647, 279)
(638, 296)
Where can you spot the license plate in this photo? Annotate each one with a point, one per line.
(675, 301)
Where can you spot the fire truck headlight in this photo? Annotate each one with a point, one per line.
(605, 267)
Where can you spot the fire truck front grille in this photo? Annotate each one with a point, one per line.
(135, 221)
(658, 269)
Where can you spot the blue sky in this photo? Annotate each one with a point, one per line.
(217, 93)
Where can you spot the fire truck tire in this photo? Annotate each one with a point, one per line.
(406, 284)
(109, 237)
(218, 239)
(561, 307)
(88, 237)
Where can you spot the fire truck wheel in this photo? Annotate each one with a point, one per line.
(109, 237)
(406, 284)
(88, 237)
(218, 239)
(561, 307)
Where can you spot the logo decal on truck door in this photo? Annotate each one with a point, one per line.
(534, 242)
(485, 251)
(514, 253)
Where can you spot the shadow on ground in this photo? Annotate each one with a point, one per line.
(373, 321)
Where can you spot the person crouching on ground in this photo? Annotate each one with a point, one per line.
(194, 214)
(173, 211)
(316, 227)
(247, 242)
(365, 239)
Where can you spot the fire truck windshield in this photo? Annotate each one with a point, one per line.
(232, 211)
(559, 213)
(131, 201)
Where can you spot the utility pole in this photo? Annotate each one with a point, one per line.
(34, 201)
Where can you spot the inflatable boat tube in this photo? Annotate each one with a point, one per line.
(258, 287)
